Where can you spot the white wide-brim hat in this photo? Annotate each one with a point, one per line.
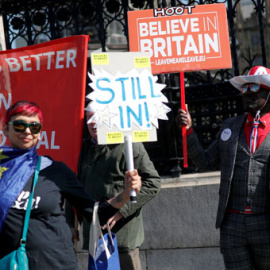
(258, 75)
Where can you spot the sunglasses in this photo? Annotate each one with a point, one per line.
(254, 88)
(21, 126)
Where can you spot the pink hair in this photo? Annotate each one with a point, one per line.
(24, 108)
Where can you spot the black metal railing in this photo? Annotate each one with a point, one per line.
(210, 96)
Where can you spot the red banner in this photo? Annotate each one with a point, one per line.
(52, 74)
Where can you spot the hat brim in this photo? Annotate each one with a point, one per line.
(239, 81)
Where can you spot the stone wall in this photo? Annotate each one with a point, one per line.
(179, 226)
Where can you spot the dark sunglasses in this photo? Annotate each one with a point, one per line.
(254, 88)
(21, 126)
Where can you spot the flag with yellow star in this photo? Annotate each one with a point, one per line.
(2, 169)
(16, 168)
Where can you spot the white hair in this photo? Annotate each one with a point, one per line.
(91, 107)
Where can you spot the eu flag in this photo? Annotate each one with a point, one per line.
(16, 167)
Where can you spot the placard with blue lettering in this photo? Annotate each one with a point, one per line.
(127, 97)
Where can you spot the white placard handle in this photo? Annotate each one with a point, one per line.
(130, 164)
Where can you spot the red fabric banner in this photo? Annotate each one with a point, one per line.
(52, 74)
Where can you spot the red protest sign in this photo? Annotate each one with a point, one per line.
(182, 38)
(52, 74)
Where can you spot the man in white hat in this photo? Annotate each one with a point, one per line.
(101, 170)
(242, 149)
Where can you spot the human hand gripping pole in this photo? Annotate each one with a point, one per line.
(130, 164)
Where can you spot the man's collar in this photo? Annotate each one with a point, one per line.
(265, 120)
(93, 140)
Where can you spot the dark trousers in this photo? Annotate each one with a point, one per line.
(245, 242)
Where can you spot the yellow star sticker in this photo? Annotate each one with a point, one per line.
(2, 156)
(2, 169)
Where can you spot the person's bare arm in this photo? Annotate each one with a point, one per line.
(132, 182)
